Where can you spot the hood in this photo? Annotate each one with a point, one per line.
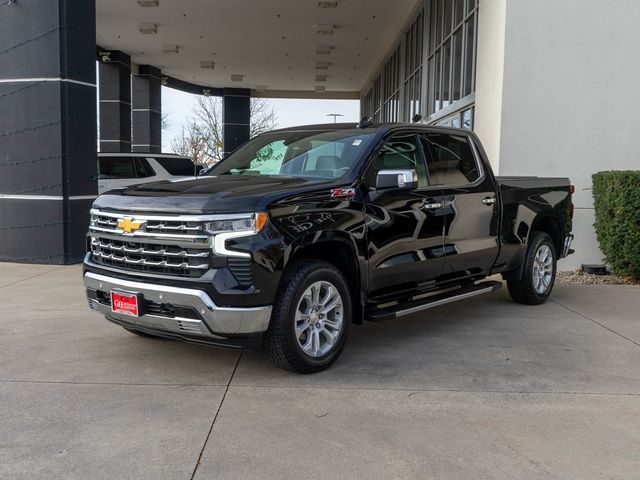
(222, 194)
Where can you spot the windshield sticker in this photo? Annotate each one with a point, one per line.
(357, 142)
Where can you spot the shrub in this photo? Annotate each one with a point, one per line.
(616, 198)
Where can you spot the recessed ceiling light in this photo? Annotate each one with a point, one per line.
(324, 50)
(207, 64)
(320, 89)
(321, 78)
(237, 77)
(327, 4)
(322, 66)
(148, 3)
(171, 49)
(148, 28)
(325, 30)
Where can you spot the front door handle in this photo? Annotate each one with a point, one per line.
(489, 200)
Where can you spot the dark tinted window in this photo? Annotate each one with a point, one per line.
(176, 165)
(116, 167)
(450, 159)
(124, 167)
(143, 169)
(400, 152)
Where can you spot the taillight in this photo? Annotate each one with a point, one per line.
(572, 189)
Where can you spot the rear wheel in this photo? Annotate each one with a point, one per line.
(310, 319)
(539, 272)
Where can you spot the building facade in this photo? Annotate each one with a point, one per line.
(550, 87)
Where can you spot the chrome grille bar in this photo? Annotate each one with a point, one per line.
(144, 262)
(144, 251)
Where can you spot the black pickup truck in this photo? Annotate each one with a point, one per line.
(304, 231)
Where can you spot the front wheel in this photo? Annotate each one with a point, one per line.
(310, 319)
(539, 272)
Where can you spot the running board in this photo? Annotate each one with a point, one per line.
(407, 308)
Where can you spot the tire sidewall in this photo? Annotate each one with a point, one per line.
(332, 276)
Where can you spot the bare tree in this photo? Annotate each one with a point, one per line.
(192, 143)
(204, 131)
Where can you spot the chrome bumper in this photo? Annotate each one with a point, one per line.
(214, 323)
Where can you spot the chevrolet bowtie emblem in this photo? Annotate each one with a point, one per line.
(128, 225)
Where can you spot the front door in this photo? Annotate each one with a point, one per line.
(470, 204)
(404, 227)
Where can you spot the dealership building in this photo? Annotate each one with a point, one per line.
(549, 86)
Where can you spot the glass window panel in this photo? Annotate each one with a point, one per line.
(458, 12)
(446, 73)
(437, 98)
(471, 4)
(467, 121)
(433, 14)
(440, 14)
(448, 14)
(469, 63)
(457, 65)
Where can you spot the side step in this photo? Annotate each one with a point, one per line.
(407, 308)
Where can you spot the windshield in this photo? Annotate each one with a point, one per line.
(317, 154)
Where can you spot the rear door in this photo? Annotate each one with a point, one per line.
(470, 206)
(404, 227)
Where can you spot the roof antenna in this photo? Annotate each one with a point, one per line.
(416, 118)
(365, 122)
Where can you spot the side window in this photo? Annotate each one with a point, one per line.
(143, 169)
(116, 167)
(401, 151)
(451, 160)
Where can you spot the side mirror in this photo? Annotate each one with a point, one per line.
(400, 179)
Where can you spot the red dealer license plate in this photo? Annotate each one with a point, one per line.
(127, 303)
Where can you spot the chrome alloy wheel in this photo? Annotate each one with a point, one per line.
(319, 319)
(542, 269)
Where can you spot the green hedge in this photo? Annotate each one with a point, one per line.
(616, 198)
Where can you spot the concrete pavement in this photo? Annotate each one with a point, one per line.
(480, 389)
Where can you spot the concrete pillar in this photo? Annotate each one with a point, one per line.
(47, 129)
(146, 100)
(236, 113)
(115, 101)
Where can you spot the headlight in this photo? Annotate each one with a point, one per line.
(242, 223)
(234, 226)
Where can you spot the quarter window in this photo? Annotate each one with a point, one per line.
(451, 160)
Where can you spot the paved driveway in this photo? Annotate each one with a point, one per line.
(485, 389)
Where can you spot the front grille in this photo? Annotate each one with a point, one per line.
(175, 246)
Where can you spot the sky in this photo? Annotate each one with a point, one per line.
(178, 106)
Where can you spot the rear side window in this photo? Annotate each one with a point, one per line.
(116, 167)
(178, 166)
(450, 159)
(124, 167)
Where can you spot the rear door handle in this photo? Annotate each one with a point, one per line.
(489, 200)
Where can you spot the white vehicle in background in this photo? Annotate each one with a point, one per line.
(117, 170)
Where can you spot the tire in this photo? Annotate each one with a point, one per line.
(539, 273)
(287, 343)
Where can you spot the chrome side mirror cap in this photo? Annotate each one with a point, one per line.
(397, 178)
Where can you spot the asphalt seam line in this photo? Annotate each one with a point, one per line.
(29, 278)
(206, 440)
(596, 322)
(320, 387)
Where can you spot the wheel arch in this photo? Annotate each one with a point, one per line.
(341, 253)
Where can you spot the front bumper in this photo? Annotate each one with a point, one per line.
(176, 312)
